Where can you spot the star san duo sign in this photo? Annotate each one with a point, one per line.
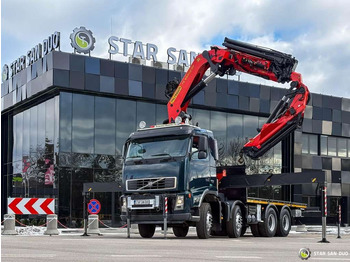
(49, 44)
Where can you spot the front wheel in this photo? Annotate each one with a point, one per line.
(235, 224)
(180, 231)
(204, 225)
(146, 230)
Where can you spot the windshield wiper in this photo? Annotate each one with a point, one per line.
(163, 154)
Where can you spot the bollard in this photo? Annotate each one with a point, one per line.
(9, 225)
(51, 225)
(324, 216)
(339, 219)
(165, 216)
(93, 225)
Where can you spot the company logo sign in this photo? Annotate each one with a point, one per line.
(82, 40)
(304, 253)
(5, 73)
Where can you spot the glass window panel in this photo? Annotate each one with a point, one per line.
(49, 126)
(26, 132)
(33, 129)
(14, 151)
(19, 136)
(332, 146)
(105, 126)
(348, 147)
(218, 126)
(313, 144)
(250, 124)
(202, 117)
(126, 122)
(146, 112)
(324, 146)
(65, 122)
(305, 141)
(341, 147)
(161, 113)
(57, 112)
(83, 124)
(41, 127)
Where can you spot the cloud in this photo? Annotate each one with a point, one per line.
(315, 32)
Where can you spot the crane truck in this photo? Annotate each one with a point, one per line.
(171, 171)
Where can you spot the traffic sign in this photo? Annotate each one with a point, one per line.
(94, 206)
(31, 206)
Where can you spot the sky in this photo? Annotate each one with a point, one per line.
(315, 32)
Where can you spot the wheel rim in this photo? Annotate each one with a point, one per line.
(285, 223)
(209, 221)
(271, 222)
(239, 222)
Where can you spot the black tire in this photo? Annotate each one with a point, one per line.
(180, 231)
(235, 224)
(284, 223)
(255, 230)
(146, 230)
(268, 228)
(204, 225)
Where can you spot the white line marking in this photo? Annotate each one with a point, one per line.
(28, 255)
(134, 255)
(237, 257)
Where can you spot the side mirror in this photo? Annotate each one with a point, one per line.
(202, 147)
(216, 150)
(202, 155)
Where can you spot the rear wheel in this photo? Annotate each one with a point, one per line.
(268, 228)
(284, 223)
(204, 225)
(180, 231)
(235, 224)
(146, 230)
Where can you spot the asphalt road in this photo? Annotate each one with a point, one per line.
(116, 247)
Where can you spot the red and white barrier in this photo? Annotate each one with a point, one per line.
(31, 206)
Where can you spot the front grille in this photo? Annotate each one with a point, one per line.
(147, 184)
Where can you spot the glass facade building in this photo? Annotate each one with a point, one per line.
(66, 117)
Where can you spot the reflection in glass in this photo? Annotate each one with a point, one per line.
(202, 117)
(332, 146)
(105, 125)
(65, 135)
(313, 144)
(324, 145)
(126, 122)
(83, 124)
(341, 147)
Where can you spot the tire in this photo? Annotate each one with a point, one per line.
(255, 230)
(268, 228)
(244, 229)
(180, 231)
(204, 225)
(235, 224)
(284, 223)
(146, 230)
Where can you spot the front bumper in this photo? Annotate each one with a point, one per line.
(159, 218)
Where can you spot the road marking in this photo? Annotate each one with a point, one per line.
(239, 257)
(28, 255)
(134, 255)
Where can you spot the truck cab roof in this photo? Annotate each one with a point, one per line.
(169, 130)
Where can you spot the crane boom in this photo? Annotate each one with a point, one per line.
(259, 61)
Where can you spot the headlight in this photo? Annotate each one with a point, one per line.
(123, 204)
(180, 201)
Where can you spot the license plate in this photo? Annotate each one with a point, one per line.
(142, 202)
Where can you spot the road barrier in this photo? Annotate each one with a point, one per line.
(93, 225)
(9, 225)
(51, 222)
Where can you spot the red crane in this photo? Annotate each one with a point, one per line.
(263, 62)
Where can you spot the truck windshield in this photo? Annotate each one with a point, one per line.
(158, 147)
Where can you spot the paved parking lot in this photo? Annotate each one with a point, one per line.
(116, 247)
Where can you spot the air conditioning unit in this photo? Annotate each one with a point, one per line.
(137, 61)
(180, 68)
(162, 65)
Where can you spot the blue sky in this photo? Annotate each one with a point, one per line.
(317, 33)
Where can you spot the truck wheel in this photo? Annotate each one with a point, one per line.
(284, 223)
(205, 223)
(255, 230)
(180, 231)
(235, 224)
(268, 228)
(146, 230)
